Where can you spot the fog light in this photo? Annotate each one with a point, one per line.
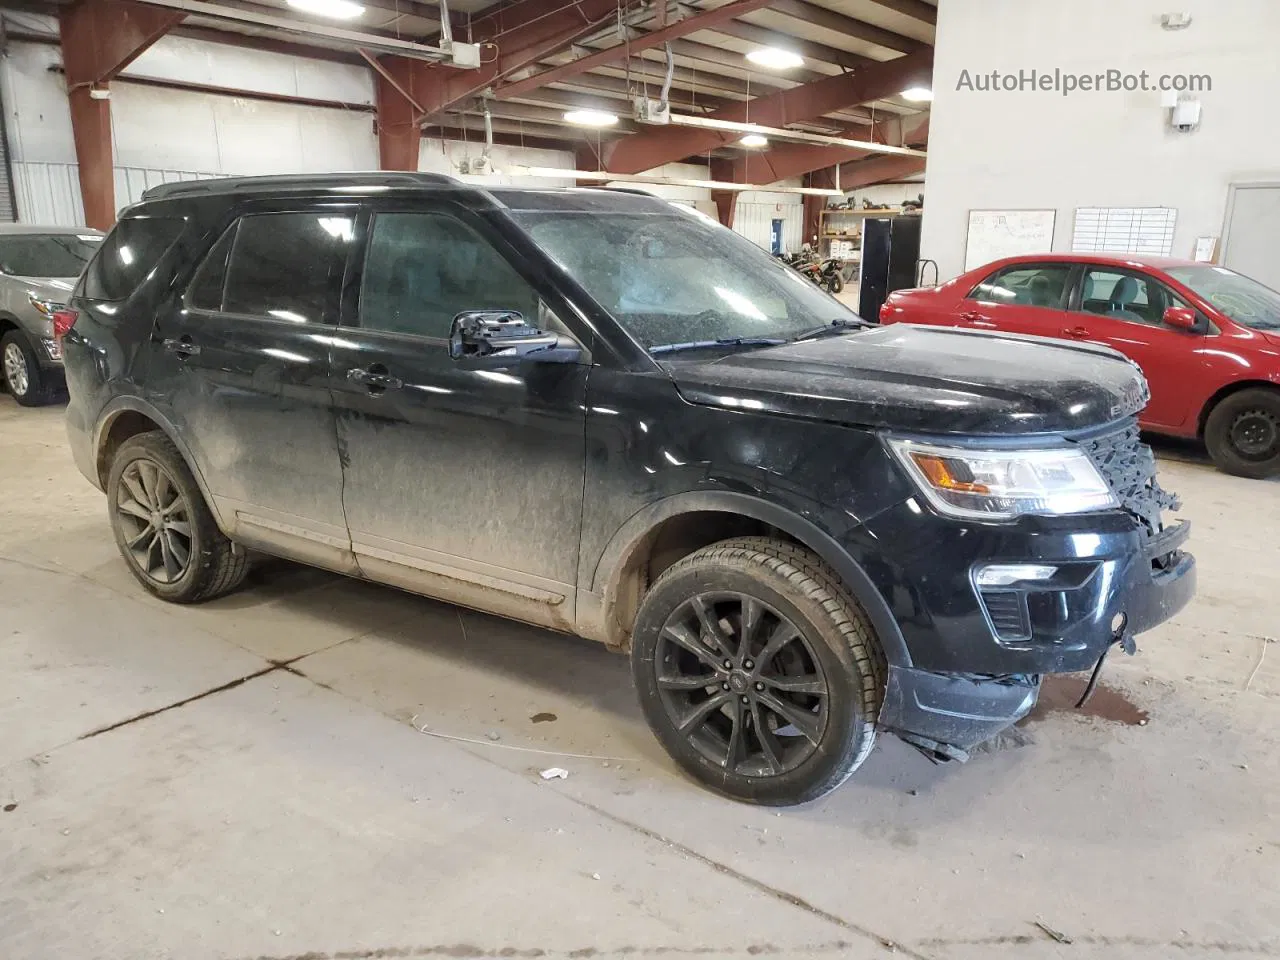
(1009, 574)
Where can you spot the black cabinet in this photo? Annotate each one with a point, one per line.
(890, 251)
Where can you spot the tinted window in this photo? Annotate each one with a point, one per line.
(47, 255)
(287, 265)
(1122, 295)
(206, 289)
(1026, 284)
(423, 269)
(129, 253)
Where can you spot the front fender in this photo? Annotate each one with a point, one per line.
(597, 603)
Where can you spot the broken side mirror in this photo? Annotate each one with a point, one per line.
(492, 339)
(1183, 318)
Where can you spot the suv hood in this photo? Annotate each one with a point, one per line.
(928, 380)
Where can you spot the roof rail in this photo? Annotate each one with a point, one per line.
(297, 182)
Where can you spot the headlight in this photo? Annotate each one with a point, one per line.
(1003, 484)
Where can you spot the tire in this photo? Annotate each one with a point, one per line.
(150, 479)
(26, 382)
(1243, 433)
(835, 284)
(779, 588)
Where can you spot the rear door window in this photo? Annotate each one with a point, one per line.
(279, 266)
(128, 256)
(1026, 285)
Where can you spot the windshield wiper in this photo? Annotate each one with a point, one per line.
(838, 325)
(710, 344)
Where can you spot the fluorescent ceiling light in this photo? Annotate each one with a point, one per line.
(917, 94)
(336, 9)
(754, 140)
(591, 118)
(773, 58)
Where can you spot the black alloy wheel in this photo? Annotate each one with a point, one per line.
(757, 671)
(742, 684)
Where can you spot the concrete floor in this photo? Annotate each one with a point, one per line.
(300, 813)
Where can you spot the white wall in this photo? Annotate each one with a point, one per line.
(162, 135)
(1042, 150)
(697, 197)
(443, 156)
(757, 210)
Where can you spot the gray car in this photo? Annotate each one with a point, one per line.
(38, 268)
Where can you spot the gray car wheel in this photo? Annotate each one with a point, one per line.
(23, 378)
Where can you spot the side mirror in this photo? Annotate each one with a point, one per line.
(1184, 318)
(491, 339)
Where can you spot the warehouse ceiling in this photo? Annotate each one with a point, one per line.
(846, 83)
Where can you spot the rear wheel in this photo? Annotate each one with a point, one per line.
(757, 672)
(163, 527)
(26, 382)
(1242, 433)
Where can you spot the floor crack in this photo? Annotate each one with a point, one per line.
(272, 666)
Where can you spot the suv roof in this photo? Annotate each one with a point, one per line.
(502, 194)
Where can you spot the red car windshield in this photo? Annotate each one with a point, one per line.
(1245, 301)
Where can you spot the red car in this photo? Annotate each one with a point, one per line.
(1207, 338)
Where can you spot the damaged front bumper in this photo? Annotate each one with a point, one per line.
(1129, 588)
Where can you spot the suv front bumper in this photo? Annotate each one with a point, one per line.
(966, 681)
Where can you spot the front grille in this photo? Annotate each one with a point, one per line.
(1129, 467)
(1008, 613)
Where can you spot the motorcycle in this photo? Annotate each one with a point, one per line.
(827, 273)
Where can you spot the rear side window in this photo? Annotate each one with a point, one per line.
(128, 255)
(1028, 285)
(287, 265)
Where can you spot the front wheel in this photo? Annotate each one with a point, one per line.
(835, 283)
(1242, 433)
(757, 672)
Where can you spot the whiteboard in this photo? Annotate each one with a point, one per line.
(1006, 233)
(1124, 230)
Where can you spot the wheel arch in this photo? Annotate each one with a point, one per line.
(689, 521)
(126, 417)
(1234, 387)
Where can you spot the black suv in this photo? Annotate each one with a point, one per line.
(603, 413)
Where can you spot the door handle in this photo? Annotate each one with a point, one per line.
(182, 346)
(1076, 333)
(973, 316)
(376, 378)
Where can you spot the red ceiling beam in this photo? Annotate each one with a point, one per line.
(806, 102)
(99, 39)
(796, 159)
(656, 38)
(512, 37)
